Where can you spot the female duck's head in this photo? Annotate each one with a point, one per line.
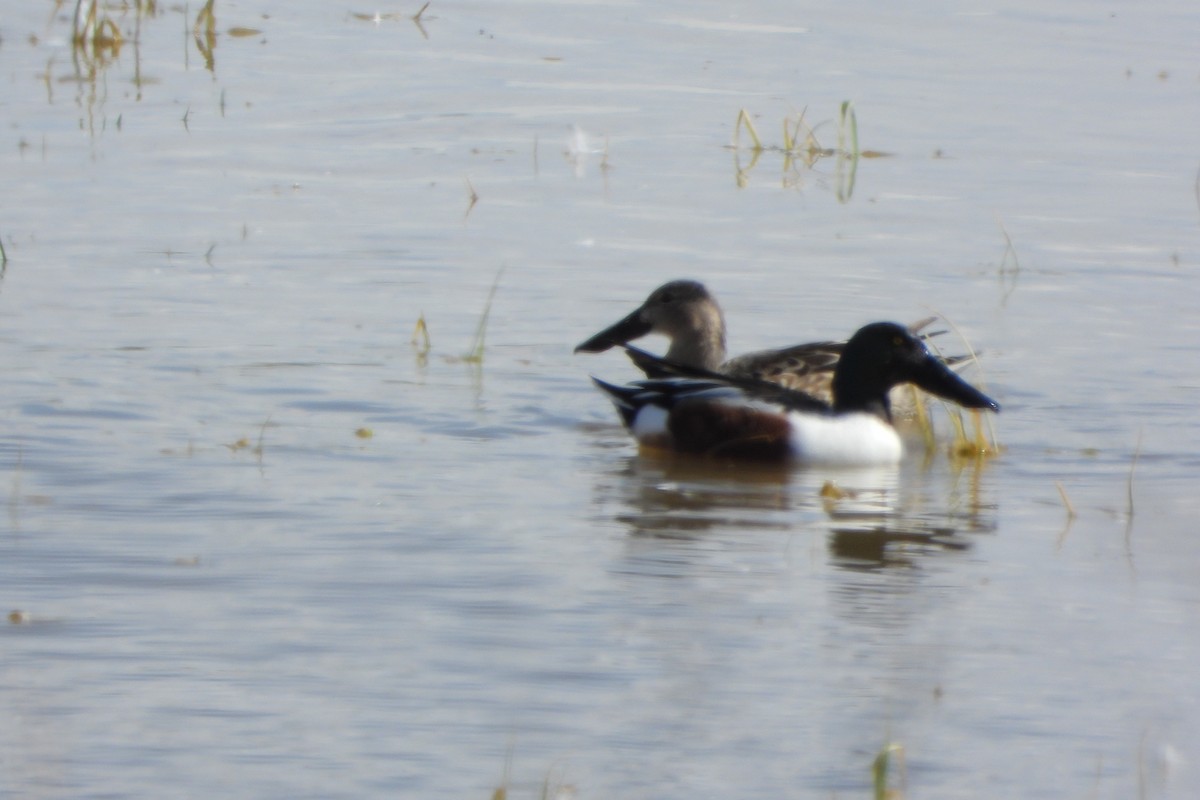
(685, 313)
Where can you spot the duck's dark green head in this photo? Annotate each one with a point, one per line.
(884, 354)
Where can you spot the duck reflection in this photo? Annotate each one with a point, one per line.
(681, 498)
(867, 533)
(881, 517)
(887, 546)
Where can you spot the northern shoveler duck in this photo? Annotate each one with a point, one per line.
(686, 313)
(748, 418)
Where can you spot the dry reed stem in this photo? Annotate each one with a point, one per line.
(420, 338)
(1066, 500)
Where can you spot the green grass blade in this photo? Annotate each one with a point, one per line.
(476, 354)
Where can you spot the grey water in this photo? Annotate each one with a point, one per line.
(257, 542)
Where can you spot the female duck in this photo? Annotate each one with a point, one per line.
(727, 417)
(686, 313)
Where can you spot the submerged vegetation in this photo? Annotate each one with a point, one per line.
(801, 149)
(978, 443)
(98, 36)
(378, 18)
(100, 33)
(881, 771)
(422, 342)
(420, 338)
(258, 449)
(553, 787)
(475, 356)
(888, 778)
(94, 33)
(472, 199)
(1010, 265)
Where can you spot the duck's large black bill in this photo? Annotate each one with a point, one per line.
(936, 378)
(628, 329)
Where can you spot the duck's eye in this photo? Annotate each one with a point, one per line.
(667, 297)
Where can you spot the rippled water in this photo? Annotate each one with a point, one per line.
(257, 544)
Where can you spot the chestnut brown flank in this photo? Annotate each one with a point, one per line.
(718, 429)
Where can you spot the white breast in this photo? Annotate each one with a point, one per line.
(846, 440)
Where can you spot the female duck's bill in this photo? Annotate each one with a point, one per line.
(727, 417)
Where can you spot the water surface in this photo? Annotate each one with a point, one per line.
(258, 545)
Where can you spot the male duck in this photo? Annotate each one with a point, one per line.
(685, 312)
(751, 419)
